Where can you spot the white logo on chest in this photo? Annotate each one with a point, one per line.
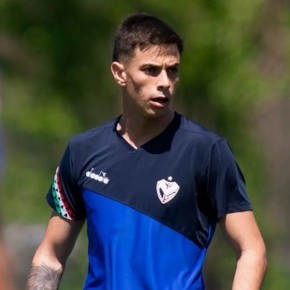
(166, 189)
(101, 177)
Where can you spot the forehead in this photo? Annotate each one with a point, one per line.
(156, 54)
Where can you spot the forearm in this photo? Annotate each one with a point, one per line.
(50, 257)
(43, 277)
(45, 272)
(250, 272)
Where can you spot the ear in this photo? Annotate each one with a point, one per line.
(119, 73)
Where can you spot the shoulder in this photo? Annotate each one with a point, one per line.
(84, 143)
(93, 134)
(196, 143)
(195, 132)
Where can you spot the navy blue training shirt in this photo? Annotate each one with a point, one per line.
(151, 212)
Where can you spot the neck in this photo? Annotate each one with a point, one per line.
(139, 131)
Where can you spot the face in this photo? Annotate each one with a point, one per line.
(149, 80)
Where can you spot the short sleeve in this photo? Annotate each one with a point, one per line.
(226, 183)
(64, 195)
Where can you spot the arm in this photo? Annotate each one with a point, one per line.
(5, 268)
(245, 238)
(49, 260)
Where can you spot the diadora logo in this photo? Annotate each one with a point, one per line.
(101, 177)
(166, 189)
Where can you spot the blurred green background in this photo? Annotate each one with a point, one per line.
(55, 81)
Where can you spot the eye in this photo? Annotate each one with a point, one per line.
(151, 70)
(173, 70)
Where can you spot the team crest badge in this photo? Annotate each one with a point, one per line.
(166, 189)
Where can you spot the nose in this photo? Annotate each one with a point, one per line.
(163, 80)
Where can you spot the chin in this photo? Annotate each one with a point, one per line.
(159, 113)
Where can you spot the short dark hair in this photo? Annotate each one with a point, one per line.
(142, 30)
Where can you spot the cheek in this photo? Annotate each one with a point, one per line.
(135, 88)
(174, 85)
(141, 86)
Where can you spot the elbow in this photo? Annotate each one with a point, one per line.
(261, 256)
(259, 259)
(255, 258)
(264, 259)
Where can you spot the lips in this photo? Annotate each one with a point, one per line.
(160, 100)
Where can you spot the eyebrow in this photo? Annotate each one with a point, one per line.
(177, 64)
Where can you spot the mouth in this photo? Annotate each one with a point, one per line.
(160, 101)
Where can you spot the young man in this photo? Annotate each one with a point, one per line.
(151, 184)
